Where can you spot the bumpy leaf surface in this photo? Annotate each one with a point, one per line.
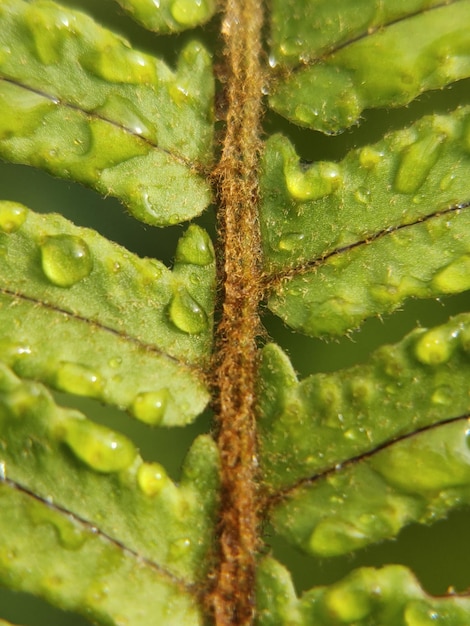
(77, 100)
(345, 459)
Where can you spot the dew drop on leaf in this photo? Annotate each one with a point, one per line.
(180, 548)
(12, 216)
(65, 259)
(186, 314)
(435, 347)
(442, 395)
(416, 162)
(78, 379)
(420, 614)
(290, 241)
(195, 247)
(99, 447)
(152, 478)
(150, 406)
(69, 534)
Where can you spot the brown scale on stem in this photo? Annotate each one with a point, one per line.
(231, 597)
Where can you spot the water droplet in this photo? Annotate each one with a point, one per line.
(362, 195)
(416, 162)
(119, 108)
(3, 471)
(115, 362)
(332, 537)
(152, 478)
(442, 396)
(189, 12)
(455, 277)
(180, 548)
(420, 614)
(65, 259)
(446, 181)
(195, 247)
(99, 447)
(12, 216)
(116, 62)
(291, 241)
(150, 406)
(70, 535)
(186, 314)
(369, 157)
(435, 346)
(318, 181)
(49, 31)
(79, 380)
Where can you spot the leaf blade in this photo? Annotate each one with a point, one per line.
(95, 110)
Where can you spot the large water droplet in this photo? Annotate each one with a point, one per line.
(152, 478)
(290, 241)
(78, 379)
(12, 216)
(195, 247)
(99, 447)
(115, 62)
(435, 346)
(150, 406)
(65, 259)
(318, 181)
(186, 314)
(416, 161)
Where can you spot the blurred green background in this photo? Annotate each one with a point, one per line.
(440, 554)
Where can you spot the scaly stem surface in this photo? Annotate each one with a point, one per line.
(231, 598)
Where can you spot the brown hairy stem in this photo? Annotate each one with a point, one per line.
(231, 599)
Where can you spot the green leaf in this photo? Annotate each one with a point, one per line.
(124, 330)
(341, 446)
(105, 489)
(366, 69)
(346, 241)
(78, 101)
(169, 15)
(389, 596)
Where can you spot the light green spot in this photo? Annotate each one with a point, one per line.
(152, 478)
(189, 12)
(186, 314)
(455, 277)
(435, 346)
(150, 406)
(99, 447)
(65, 259)
(12, 216)
(78, 379)
(195, 247)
